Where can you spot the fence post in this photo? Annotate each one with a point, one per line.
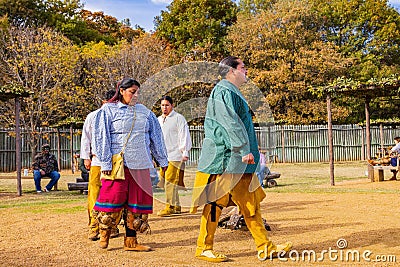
(381, 135)
(368, 127)
(362, 143)
(283, 144)
(71, 134)
(330, 140)
(18, 144)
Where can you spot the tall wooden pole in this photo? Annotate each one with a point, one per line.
(71, 134)
(367, 127)
(362, 143)
(330, 139)
(283, 144)
(59, 149)
(18, 144)
(382, 140)
(58, 155)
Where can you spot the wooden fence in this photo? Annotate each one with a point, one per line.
(283, 143)
(49, 136)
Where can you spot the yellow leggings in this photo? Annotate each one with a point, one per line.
(248, 204)
(93, 190)
(173, 178)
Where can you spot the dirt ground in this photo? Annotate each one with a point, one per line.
(357, 212)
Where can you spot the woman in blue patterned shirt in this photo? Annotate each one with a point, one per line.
(112, 126)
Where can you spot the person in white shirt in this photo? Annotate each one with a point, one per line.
(396, 147)
(92, 163)
(178, 143)
(395, 152)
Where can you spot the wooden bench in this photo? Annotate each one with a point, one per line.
(80, 185)
(377, 173)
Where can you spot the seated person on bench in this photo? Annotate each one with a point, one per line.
(84, 171)
(45, 164)
(395, 151)
(263, 167)
(382, 158)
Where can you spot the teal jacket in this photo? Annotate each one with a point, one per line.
(229, 132)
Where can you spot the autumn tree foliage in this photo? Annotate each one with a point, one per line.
(104, 65)
(43, 62)
(109, 26)
(285, 54)
(287, 45)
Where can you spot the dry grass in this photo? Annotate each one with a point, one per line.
(50, 229)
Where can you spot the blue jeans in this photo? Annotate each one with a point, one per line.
(37, 177)
(154, 176)
(261, 174)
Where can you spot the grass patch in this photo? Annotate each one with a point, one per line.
(350, 177)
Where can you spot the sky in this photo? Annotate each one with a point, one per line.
(142, 12)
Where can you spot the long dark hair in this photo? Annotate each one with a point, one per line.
(125, 83)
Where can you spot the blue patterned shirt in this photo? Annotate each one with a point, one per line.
(111, 126)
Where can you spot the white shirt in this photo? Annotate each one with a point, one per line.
(176, 135)
(86, 139)
(396, 148)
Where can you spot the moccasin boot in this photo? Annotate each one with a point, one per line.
(93, 234)
(177, 210)
(165, 212)
(282, 248)
(93, 228)
(104, 237)
(211, 256)
(131, 244)
(193, 210)
(114, 232)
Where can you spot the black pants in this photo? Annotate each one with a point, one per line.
(85, 177)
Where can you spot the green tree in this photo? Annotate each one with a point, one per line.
(22, 12)
(197, 29)
(285, 53)
(252, 7)
(69, 18)
(369, 32)
(36, 13)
